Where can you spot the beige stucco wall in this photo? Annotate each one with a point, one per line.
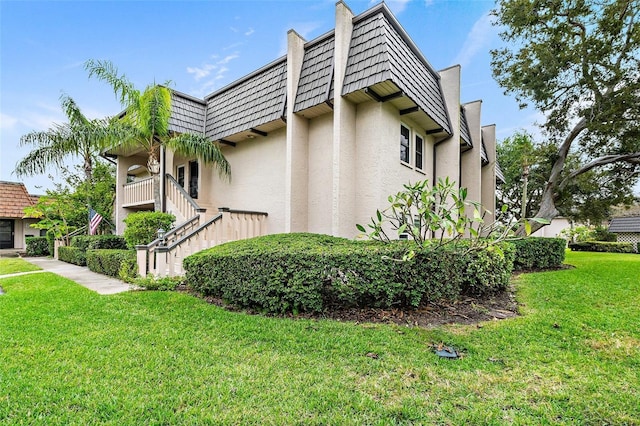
(380, 172)
(21, 229)
(320, 174)
(257, 179)
(553, 229)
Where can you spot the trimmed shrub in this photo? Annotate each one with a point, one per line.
(601, 246)
(309, 272)
(538, 253)
(73, 255)
(116, 263)
(142, 227)
(37, 246)
(51, 238)
(88, 242)
(601, 233)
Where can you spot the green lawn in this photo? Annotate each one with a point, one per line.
(11, 265)
(70, 356)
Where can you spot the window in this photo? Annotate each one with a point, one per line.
(180, 175)
(404, 143)
(193, 179)
(419, 148)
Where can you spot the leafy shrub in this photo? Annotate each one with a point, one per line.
(51, 238)
(162, 284)
(112, 262)
(88, 242)
(601, 246)
(601, 233)
(37, 246)
(73, 255)
(308, 272)
(142, 227)
(539, 253)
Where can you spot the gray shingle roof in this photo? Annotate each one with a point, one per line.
(483, 154)
(465, 135)
(249, 102)
(625, 224)
(380, 50)
(187, 114)
(316, 74)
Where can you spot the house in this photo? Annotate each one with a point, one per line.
(627, 229)
(318, 139)
(14, 225)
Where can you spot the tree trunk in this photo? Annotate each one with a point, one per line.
(157, 202)
(548, 210)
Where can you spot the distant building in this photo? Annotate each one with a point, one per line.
(627, 228)
(14, 225)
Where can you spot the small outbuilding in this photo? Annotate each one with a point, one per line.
(627, 229)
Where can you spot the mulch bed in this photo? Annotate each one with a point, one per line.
(467, 310)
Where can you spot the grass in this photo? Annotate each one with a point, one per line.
(70, 356)
(11, 265)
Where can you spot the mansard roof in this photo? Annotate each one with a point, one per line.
(465, 134)
(248, 103)
(383, 64)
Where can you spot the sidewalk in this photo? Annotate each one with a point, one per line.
(99, 283)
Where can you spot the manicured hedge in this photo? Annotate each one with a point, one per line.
(539, 253)
(309, 272)
(37, 246)
(88, 242)
(113, 262)
(73, 255)
(601, 246)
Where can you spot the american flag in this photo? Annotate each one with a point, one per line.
(94, 220)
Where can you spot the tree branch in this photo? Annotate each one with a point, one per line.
(633, 158)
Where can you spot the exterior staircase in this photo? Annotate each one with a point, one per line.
(195, 232)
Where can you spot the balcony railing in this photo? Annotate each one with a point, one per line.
(138, 193)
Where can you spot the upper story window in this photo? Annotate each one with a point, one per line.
(419, 152)
(405, 135)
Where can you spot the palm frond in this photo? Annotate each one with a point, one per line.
(154, 111)
(209, 152)
(124, 90)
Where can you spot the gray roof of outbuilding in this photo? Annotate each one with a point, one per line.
(625, 224)
(316, 83)
(252, 101)
(187, 114)
(380, 51)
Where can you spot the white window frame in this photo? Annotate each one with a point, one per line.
(408, 161)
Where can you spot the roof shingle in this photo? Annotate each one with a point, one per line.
(13, 199)
(625, 224)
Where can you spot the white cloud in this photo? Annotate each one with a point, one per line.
(478, 38)
(249, 31)
(228, 58)
(7, 121)
(202, 72)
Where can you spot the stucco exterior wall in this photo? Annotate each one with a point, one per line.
(380, 172)
(320, 174)
(257, 179)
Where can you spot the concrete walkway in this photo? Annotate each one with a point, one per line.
(99, 283)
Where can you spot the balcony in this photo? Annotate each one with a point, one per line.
(138, 193)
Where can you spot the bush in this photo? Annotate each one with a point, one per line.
(116, 263)
(538, 253)
(51, 238)
(142, 227)
(601, 233)
(73, 255)
(601, 246)
(89, 242)
(163, 284)
(37, 246)
(308, 272)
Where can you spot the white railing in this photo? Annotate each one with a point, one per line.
(185, 205)
(163, 259)
(138, 192)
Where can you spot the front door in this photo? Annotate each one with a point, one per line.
(6, 233)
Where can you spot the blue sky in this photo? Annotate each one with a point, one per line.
(201, 46)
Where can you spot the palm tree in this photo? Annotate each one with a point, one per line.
(80, 137)
(146, 120)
